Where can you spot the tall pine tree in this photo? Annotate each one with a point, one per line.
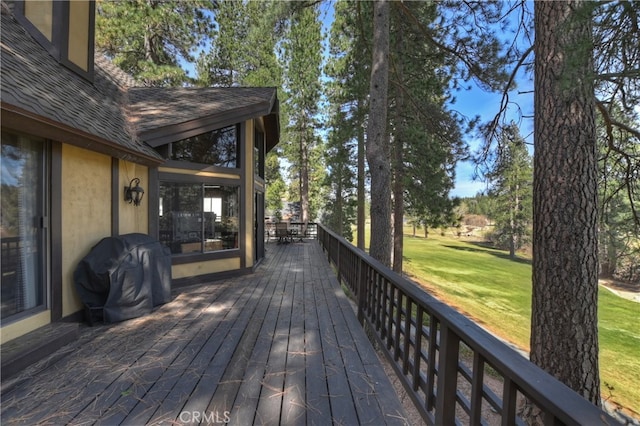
(512, 189)
(425, 135)
(302, 58)
(243, 51)
(377, 143)
(347, 89)
(564, 321)
(149, 38)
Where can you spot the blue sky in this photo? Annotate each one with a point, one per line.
(479, 102)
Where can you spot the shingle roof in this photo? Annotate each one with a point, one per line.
(163, 115)
(34, 81)
(115, 109)
(154, 107)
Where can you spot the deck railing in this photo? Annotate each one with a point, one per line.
(311, 230)
(453, 370)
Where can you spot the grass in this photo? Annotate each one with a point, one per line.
(484, 284)
(475, 280)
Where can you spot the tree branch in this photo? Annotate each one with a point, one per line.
(504, 102)
(610, 123)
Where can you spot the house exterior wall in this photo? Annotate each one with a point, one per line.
(231, 175)
(41, 16)
(203, 266)
(90, 188)
(190, 270)
(20, 328)
(86, 213)
(90, 194)
(79, 33)
(85, 174)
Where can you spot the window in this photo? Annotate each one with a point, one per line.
(199, 217)
(22, 223)
(216, 148)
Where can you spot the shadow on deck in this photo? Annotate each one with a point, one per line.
(281, 346)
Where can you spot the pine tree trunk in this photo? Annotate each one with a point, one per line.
(398, 147)
(564, 333)
(513, 241)
(339, 220)
(377, 138)
(361, 194)
(304, 182)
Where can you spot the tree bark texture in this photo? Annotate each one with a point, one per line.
(361, 194)
(377, 145)
(564, 333)
(398, 148)
(339, 206)
(304, 179)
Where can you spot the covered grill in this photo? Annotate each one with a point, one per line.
(124, 277)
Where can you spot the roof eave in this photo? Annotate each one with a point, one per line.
(18, 119)
(179, 131)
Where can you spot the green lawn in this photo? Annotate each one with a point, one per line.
(495, 291)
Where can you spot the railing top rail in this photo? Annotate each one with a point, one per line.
(555, 396)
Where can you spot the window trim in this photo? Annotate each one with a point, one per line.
(192, 165)
(185, 165)
(183, 258)
(46, 243)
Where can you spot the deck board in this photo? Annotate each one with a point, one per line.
(280, 346)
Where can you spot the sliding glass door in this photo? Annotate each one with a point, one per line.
(23, 224)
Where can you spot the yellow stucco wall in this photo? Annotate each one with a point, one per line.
(19, 328)
(79, 33)
(40, 14)
(203, 268)
(132, 218)
(86, 213)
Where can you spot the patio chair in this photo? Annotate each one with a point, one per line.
(282, 232)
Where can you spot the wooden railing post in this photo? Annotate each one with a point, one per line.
(447, 376)
(338, 260)
(362, 289)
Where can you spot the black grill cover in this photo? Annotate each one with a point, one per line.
(125, 276)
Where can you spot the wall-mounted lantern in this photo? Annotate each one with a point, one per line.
(134, 193)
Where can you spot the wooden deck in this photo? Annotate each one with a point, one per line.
(281, 346)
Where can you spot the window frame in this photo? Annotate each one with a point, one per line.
(183, 258)
(167, 152)
(43, 207)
